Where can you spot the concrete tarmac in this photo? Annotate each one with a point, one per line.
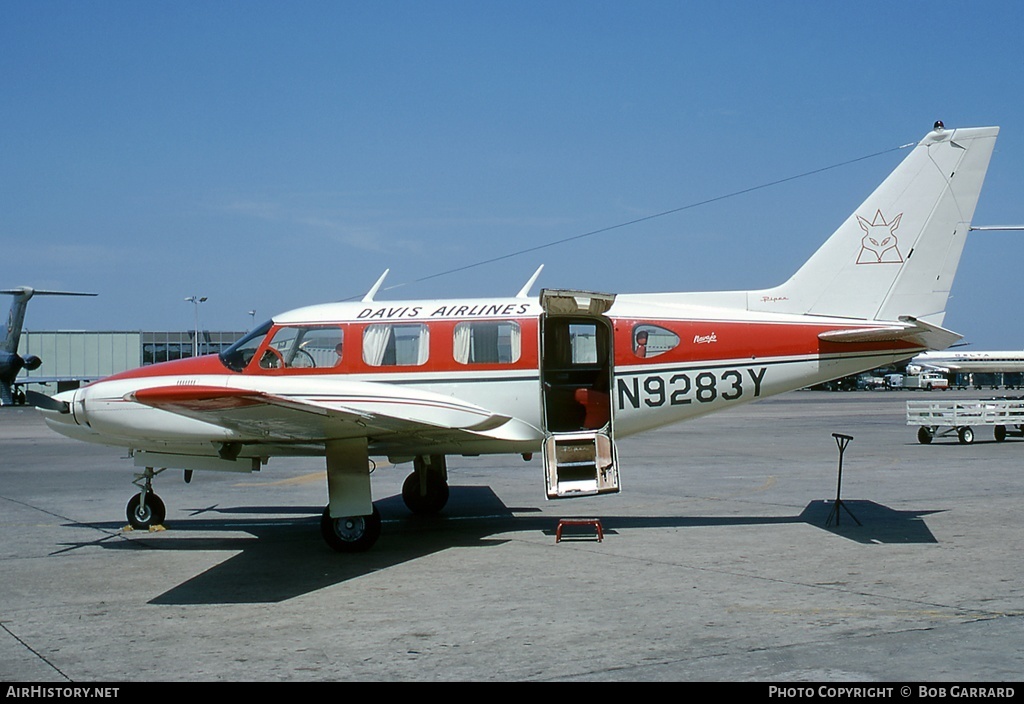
(716, 564)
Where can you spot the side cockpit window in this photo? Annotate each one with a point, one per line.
(237, 356)
(487, 343)
(652, 340)
(304, 347)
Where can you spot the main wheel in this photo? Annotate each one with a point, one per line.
(432, 501)
(924, 436)
(351, 533)
(142, 517)
(966, 435)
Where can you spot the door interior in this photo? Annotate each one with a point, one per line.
(576, 377)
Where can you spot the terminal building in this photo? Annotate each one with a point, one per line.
(78, 356)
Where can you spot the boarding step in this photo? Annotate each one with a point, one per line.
(579, 464)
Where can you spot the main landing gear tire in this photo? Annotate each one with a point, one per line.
(351, 533)
(965, 435)
(924, 436)
(435, 498)
(143, 517)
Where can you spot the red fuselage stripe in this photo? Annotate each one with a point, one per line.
(700, 341)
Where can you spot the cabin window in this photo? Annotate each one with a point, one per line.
(487, 343)
(569, 343)
(387, 345)
(651, 341)
(304, 347)
(583, 343)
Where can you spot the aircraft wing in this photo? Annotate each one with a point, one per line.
(943, 368)
(25, 380)
(336, 411)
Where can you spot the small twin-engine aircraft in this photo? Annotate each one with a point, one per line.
(564, 375)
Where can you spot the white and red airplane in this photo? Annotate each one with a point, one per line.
(563, 375)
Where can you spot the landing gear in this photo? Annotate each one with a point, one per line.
(350, 533)
(425, 491)
(145, 509)
(424, 499)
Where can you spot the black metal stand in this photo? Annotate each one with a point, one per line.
(841, 441)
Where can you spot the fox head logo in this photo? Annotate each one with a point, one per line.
(879, 244)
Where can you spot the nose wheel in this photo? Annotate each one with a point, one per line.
(145, 509)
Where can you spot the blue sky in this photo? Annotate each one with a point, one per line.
(271, 155)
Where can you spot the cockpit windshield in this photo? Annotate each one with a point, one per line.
(237, 356)
(287, 347)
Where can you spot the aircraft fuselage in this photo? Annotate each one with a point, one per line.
(699, 360)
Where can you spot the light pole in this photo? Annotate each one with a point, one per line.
(196, 300)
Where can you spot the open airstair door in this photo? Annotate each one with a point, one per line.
(576, 378)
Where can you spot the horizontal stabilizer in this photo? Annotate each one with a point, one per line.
(910, 329)
(28, 291)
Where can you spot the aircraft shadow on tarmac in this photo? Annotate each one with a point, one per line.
(282, 558)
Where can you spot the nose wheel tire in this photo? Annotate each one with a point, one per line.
(350, 533)
(142, 517)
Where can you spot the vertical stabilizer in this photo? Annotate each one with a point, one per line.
(16, 314)
(11, 363)
(897, 254)
(15, 318)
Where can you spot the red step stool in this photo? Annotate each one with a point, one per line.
(595, 522)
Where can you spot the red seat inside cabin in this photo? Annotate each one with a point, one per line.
(597, 405)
